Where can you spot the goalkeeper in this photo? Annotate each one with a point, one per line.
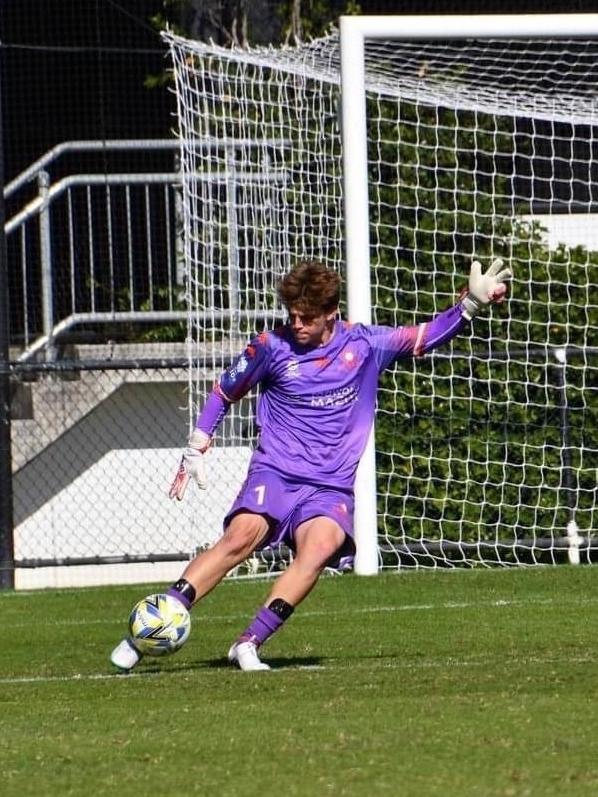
(318, 378)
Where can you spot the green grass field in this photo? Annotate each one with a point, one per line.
(459, 683)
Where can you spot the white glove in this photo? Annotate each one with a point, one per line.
(485, 288)
(192, 465)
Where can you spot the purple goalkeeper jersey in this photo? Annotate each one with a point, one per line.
(316, 405)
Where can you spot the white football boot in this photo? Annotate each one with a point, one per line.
(125, 656)
(244, 655)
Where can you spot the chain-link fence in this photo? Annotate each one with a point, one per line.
(95, 444)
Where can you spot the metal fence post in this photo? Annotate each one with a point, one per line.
(45, 243)
(7, 562)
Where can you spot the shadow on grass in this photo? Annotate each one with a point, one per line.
(222, 663)
(276, 663)
(287, 662)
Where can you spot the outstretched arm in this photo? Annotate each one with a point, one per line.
(408, 341)
(245, 372)
(484, 288)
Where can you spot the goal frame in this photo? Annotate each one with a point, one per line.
(354, 30)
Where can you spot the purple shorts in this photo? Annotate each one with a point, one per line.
(288, 504)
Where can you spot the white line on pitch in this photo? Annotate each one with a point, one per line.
(45, 679)
(408, 607)
(80, 677)
(391, 664)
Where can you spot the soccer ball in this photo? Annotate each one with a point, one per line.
(159, 624)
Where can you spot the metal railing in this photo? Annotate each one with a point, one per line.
(106, 248)
(92, 248)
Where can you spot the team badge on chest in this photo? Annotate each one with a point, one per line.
(293, 369)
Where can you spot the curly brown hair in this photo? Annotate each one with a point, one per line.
(310, 288)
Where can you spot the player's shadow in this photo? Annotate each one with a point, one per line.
(222, 663)
(280, 663)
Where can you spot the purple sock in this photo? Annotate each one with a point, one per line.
(180, 597)
(261, 628)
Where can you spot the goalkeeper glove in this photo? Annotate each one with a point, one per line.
(192, 465)
(485, 288)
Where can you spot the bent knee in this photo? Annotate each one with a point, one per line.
(244, 533)
(316, 546)
(316, 557)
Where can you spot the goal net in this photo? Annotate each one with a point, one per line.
(486, 450)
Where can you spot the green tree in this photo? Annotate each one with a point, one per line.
(473, 440)
(255, 22)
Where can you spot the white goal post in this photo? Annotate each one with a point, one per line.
(458, 137)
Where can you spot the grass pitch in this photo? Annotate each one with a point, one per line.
(467, 684)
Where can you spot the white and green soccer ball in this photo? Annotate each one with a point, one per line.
(159, 624)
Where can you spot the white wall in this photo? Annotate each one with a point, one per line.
(136, 517)
(100, 489)
(575, 229)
